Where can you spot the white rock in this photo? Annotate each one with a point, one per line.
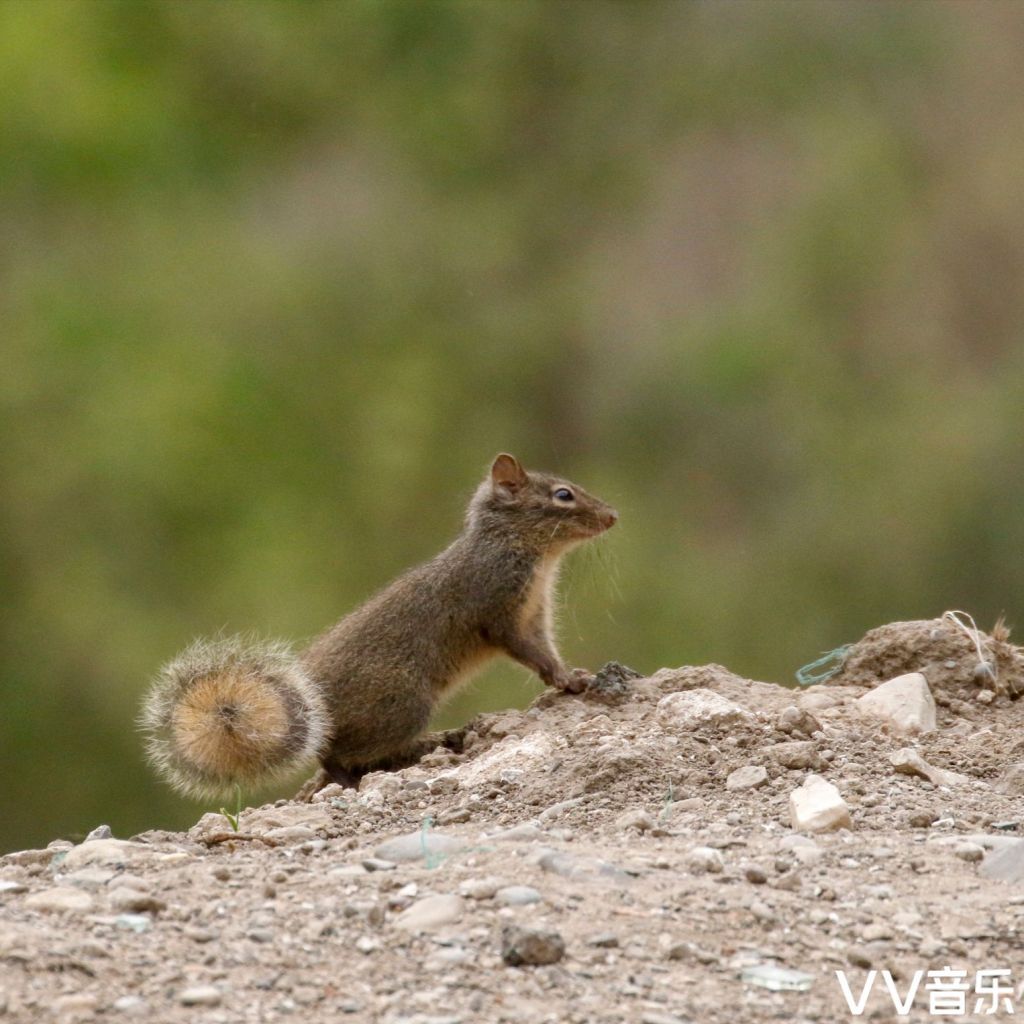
(990, 840)
(817, 806)
(703, 859)
(525, 832)
(908, 761)
(794, 840)
(818, 698)
(532, 753)
(430, 912)
(905, 704)
(200, 995)
(131, 1004)
(518, 895)
(422, 845)
(970, 852)
(59, 899)
(89, 878)
(480, 888)
(291, 834)
(1011, 781)
(262, 820)
(332, 791)
(560, 808)
(750, 776)
(808, 854)
(689, 709)
(1005, 864)
(75, 1006)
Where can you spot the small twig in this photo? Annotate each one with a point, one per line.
(226, 837)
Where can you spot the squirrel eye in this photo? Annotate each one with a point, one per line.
(563, 494)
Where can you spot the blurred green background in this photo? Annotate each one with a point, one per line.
(278, 279)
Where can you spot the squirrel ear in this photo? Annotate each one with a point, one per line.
(506, 472)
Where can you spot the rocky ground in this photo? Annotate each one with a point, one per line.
(687, 847)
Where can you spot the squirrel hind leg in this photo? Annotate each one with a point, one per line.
(347, 777)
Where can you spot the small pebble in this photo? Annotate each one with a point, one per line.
(75, 1005)
(200, 995)
(750, 776)
(520, 946)
(480, 888)
(134, 902)
(636, 819)
(970, 852)
(517, 895)
(134, 1005)
(859, 957)
(377, 864)
(704, 859)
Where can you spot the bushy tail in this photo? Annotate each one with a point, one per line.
(232, 712)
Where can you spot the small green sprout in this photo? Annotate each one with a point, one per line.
(233, 818)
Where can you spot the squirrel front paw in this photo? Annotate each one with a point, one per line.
(574, 680)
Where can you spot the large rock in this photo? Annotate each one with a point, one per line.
(60, 899)
(1006, 864)
(273, 820)
(108, 853)
(817, 806)
(908, 761)
(1011, 782)
(689, 709)
(904, 704)
(704, 859)
(430, 912)
(422, 845)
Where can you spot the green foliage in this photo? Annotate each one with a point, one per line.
(279, 278)
(232, 817)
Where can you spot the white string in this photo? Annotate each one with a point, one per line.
(975, 636)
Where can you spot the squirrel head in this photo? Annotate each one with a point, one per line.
(544, 512)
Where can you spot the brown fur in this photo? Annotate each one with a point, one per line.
(232, 711)
(382, 669)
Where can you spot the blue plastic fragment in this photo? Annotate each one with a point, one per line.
(807, 676)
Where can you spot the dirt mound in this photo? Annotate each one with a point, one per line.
(623, 855)
(952, 660)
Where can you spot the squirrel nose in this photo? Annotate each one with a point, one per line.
(611, 517)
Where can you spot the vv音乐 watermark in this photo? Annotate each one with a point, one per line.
(947, 992)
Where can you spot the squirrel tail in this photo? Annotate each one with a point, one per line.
(232, 712)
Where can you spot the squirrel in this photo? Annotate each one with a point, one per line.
(237, 712)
